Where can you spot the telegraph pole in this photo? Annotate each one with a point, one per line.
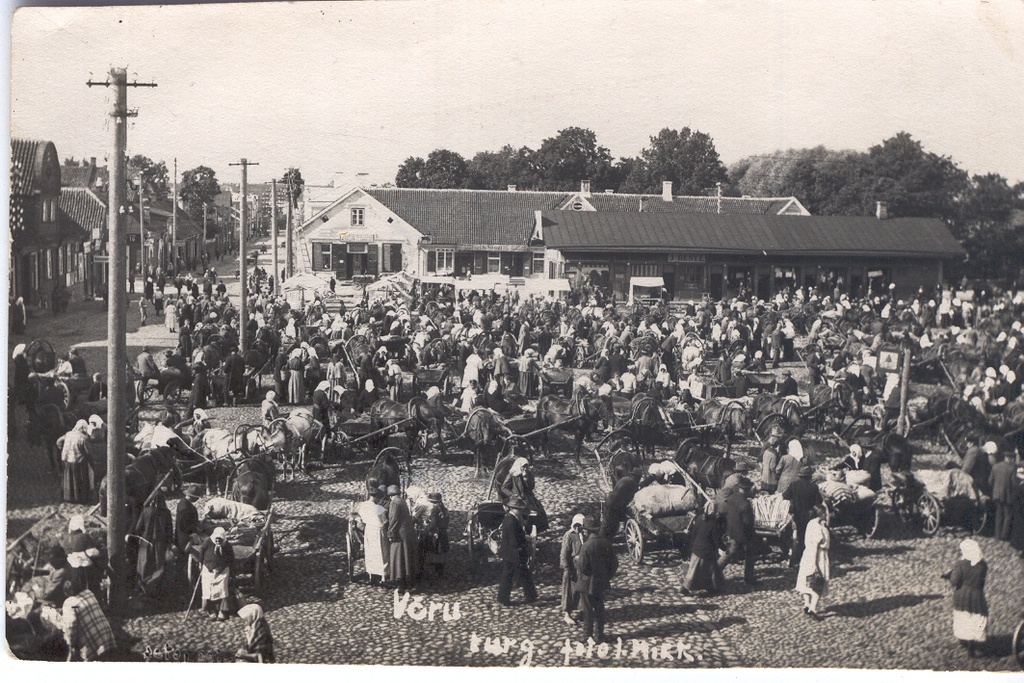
(243, 220)
(289, 269)
(117, 352)
(142, 240)
(174, 223)
(273, 234)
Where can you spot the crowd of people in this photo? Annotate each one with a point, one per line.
(497, 349)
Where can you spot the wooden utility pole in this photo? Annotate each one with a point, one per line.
(288, 259)
(903, 422)
(273, 235)
(142, 240)
(174, 223)
(118, 385)
(243, 221)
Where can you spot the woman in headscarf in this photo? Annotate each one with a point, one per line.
(259, 643)
(663, 383)
(394, 378)
(366, 398)
(970, 609)
(313, 372)
(296, 385)
(18, 317)
(375, 538)
(216, 556)
(83, 556)
(470, 397)
(402, 566)
(528, 373)
(813, 574)
(789, 465)
(520, 482)
(269, 410)
(502, 368)
(703, 572)
(472, 371)
(76, 476)
(336, 371)
(572, 544)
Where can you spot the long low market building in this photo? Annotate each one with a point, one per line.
(722, 255)
(690, 246)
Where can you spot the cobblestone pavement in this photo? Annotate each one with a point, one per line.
(887, 606)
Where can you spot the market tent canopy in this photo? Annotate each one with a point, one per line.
(303, 281)
(644, 283)
(437, 280)
(481, 282)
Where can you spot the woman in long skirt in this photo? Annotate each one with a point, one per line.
(970, 610)
(76, 475)
(703, 572)
(375, 539)
(813, 562)
(296, 382)
(402, 565)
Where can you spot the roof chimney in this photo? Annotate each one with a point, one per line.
(666, 190)
(584, 188)
(881, 211)
(511, 188)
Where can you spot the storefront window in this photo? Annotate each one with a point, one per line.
(325, 257)
(538, 263)
(493, 262)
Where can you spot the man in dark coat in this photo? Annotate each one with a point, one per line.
(739, 529)
(788, 385)
(803, 495)
(402, 565)
(514, 554)
(1005, 488)
(595, 566)
(234, 369)
(619, 499)
(186, 517)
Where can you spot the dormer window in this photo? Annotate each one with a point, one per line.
(357, 217)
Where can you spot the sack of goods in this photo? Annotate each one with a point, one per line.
(858, 477)
(659, 500)
(945, 484)
(837, 492)
(222, 508)
(770, 512)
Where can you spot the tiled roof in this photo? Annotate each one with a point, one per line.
(159, 218)
(749, 234)
(84, 175)
(83, 211)
(685, 204)
(467, 217)
(26, 156)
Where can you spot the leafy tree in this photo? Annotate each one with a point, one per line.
(498, 170)
(198, 188)
(571, 156)
(155, 178)
(71, 161)
(686, 157)
(293, 178)
(991, 225)
(914, 182)
(410, 173)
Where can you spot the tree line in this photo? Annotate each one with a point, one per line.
(985, 211)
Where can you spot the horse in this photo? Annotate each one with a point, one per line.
(788, 407)
(483, 429)
(728, 416)
(706, 466)
(46, 423)
(141, 477)
(647, 422)
(220, 448)
(290, 437)
(386, 471)
(836, 401)
(579, 415)
(418, 415)
(252, 482)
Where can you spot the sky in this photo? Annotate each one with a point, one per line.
(350, 90)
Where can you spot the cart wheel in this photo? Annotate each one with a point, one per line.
(349, 560)
(193, 570)
(150, 394)
(1018, 644)
(929, 514)
(979, 518)
(873, 525)
(472, 531)
(172, 392)
(635, 541)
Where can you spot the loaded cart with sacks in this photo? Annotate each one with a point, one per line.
(662, 513)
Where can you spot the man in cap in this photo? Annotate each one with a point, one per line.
(803, 495)
(770, 459)
(186, 516)
(514, 554)
(596, 567)
(788, 385)
(978, 463)
(1005, 490)
(572, 543)
(147, 370)
(732, 481)
(739, 529)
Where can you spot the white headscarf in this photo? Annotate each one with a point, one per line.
(518, 467)
(18, 350)
(796, 449)
(370, 386)
(971, 551)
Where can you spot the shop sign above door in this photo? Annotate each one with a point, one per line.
(686, 258)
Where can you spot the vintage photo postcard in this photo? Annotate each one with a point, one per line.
(564, 335)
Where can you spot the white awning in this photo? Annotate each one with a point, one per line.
(437, 280)
(303, 281)
(647, 282)
(482, 282)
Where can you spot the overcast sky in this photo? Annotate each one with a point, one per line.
(358, 87)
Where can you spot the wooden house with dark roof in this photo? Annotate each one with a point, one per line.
(48, 243)
(691, 254)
